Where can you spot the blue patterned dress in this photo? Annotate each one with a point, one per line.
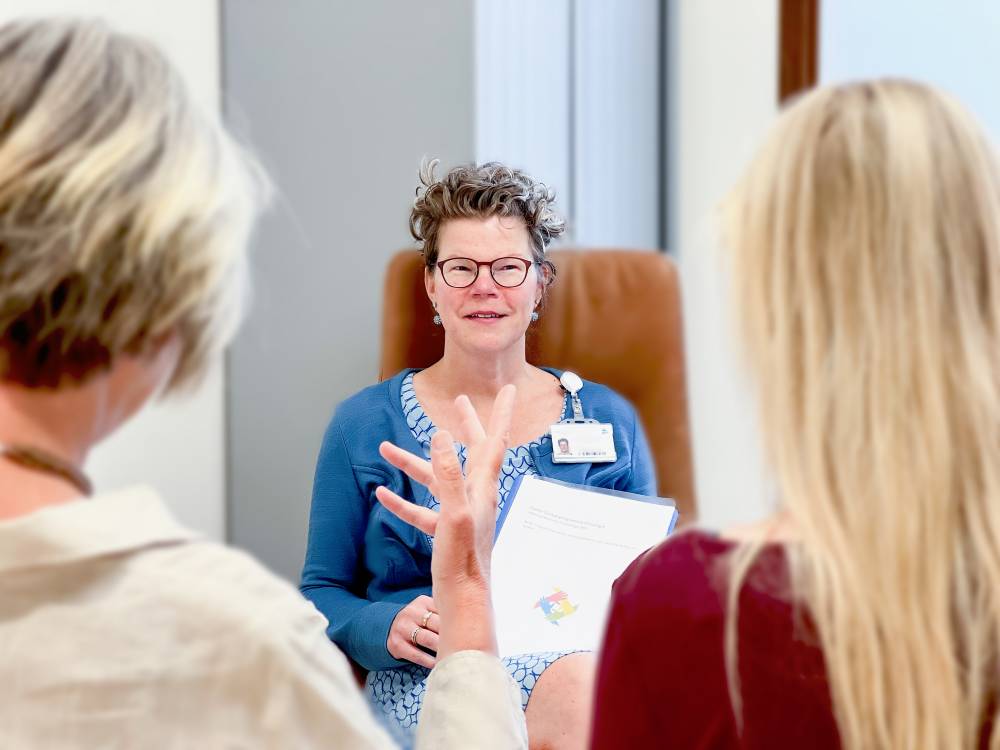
(399, 692)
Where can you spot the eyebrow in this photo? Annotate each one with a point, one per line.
(441, 258)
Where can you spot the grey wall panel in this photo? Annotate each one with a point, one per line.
(523, 90)
(341, 100)
(617, 158)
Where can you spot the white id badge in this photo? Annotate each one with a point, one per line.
(583, 442)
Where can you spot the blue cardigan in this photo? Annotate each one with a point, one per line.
(363, 565)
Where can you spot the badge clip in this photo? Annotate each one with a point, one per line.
(572, 383)
(577, 439)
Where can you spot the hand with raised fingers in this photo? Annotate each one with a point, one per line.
(414, 629)
(463, 530)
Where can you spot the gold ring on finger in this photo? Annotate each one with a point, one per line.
(426, 618)
(413, 636)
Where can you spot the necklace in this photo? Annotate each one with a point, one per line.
(39, 460)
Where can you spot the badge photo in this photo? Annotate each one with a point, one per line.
(583, 442)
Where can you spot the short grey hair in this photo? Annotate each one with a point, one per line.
(124, 208)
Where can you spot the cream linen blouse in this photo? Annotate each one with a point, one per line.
(121, 628)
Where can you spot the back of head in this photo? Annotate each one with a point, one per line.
(123, 208)
(866, 265)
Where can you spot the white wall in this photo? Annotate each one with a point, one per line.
(723, 73)
(617, 149)
(522, 89)
(178, 447)
(952, 45)
(723, 89)
(570, 91)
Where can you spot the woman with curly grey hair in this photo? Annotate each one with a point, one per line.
(483, 232)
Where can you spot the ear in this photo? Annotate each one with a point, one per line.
(544, 277)
(163, 357)
(429, 283)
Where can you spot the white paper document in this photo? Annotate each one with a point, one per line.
(558, 552)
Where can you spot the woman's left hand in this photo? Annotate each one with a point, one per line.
(464, 529)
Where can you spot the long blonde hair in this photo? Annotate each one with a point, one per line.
(866, 269)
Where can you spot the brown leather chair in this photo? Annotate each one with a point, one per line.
(612, 316)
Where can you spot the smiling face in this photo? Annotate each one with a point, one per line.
(484, 317)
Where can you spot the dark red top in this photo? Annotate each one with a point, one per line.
(662, 678)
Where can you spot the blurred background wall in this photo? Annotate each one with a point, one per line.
(341, 100)
(639, 113)
(952, 45)
(722, 89)
(572, 91)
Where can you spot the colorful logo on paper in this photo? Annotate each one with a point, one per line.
(556, 606)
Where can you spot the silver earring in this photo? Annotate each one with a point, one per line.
(436, 320)
(534, 316)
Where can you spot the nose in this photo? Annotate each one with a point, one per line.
(484, 283)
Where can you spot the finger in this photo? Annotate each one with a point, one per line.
(503, 412)
(434, 625)
(414, 654)
(426, 638)
(414, 467)
(425, 603)
(429, 620)
(429, 640)
(449, 485)
(422, 518)
(484, 463)
(423, 608)
(472, 428)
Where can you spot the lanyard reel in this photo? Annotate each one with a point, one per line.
(577, 439)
